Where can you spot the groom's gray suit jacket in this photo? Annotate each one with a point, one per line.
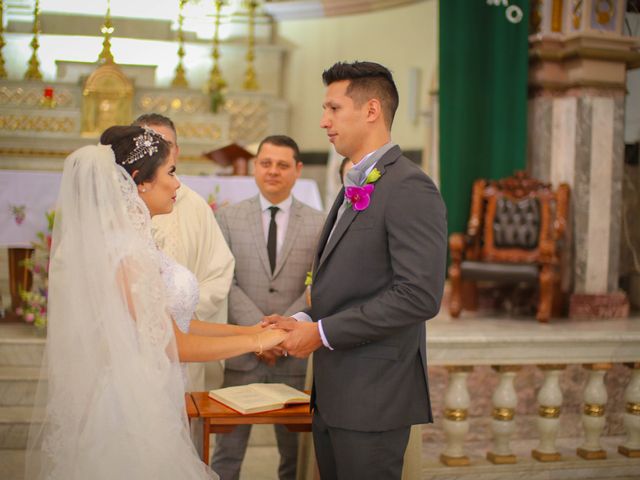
(375, 282)
(255, 291)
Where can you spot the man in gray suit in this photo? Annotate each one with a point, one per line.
(273, 237)
(378, 275)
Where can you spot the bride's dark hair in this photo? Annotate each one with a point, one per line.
(122, 138)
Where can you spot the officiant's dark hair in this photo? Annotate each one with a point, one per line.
(121, 138)
(282, 141)
(367, 80)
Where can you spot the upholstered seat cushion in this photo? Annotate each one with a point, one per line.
(503, 272)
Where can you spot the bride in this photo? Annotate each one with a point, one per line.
(112, 388)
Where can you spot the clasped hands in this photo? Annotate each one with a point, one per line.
(302, 338)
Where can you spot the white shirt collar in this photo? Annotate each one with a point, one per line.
(284, 205)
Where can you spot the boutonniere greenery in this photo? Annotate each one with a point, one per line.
(308, 279)
(359, 197)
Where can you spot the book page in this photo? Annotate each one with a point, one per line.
(247, 398)
(280, 392)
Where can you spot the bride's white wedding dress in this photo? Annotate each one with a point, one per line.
(112, 388)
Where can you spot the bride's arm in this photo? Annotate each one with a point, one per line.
(208, 329)
(197, 348)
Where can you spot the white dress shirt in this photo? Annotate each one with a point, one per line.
(282, 219)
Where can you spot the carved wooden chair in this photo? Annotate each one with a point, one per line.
(515, 234)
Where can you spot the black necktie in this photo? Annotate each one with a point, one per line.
(272, 238)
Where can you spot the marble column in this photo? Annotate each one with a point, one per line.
(579, 58)
(549, 408)
(594, 412)
(455, 423)
(631, 447)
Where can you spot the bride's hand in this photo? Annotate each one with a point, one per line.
(269, 338)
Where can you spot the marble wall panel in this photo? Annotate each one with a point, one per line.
(580, 194)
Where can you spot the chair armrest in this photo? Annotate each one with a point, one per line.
(562, 211)
(456, 247)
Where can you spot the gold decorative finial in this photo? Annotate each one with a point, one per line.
(216, 81)
(250, 80)
(180, 80)
(107, 29)
(3, 71)
(33, 71)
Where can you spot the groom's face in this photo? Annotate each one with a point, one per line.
(344, 120)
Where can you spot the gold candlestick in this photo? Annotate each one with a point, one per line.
(3, 71)
(107, 29)
(33, 71)
(216, 81)
(250, 80)
(180, 80)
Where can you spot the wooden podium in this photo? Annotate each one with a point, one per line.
(218, 418)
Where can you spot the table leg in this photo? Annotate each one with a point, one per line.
(206, 429)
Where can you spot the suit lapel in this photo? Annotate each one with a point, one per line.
(293, 226)
(326, 229)
(254, 216)
(341, 227)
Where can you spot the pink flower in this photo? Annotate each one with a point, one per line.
(29, 317)
(360, 197)
(19, 311)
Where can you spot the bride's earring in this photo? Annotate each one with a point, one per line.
(144, 190)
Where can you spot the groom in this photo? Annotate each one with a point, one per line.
(378, 275)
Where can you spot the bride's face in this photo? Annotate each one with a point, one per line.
(159, 194)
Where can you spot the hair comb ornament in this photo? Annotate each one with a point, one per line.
(146, 145)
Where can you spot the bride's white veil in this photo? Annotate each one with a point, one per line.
(110, 401)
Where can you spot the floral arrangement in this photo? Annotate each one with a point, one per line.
(34, 308)
(19, 213)
(360, 197)
(212, 200)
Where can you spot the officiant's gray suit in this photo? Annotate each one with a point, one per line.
(378, 275)
(256, 292)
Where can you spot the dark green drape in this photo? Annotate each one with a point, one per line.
(483, 97)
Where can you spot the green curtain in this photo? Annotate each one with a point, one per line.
(483, 96)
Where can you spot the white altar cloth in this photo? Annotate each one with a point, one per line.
(25, 197)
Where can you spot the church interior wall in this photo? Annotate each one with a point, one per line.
(404, 39)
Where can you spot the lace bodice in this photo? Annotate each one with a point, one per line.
(181, 290)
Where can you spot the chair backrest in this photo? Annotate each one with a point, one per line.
(517, 219)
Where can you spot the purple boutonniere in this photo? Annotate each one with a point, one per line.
(360, 197)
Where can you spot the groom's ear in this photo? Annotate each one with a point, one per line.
(374, 110)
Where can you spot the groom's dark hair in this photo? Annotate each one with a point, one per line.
(367, 80)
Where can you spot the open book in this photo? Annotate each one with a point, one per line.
(259, 397)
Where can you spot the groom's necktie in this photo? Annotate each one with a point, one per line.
(272, 238)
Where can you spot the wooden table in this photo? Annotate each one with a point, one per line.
(192, 411)
(218, 418)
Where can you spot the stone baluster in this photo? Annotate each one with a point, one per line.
(504, 400)
(548, 421)
(455, 423)
(631, 448)
(593, 414)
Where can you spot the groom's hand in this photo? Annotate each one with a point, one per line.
(303, 339)
(278, 321)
